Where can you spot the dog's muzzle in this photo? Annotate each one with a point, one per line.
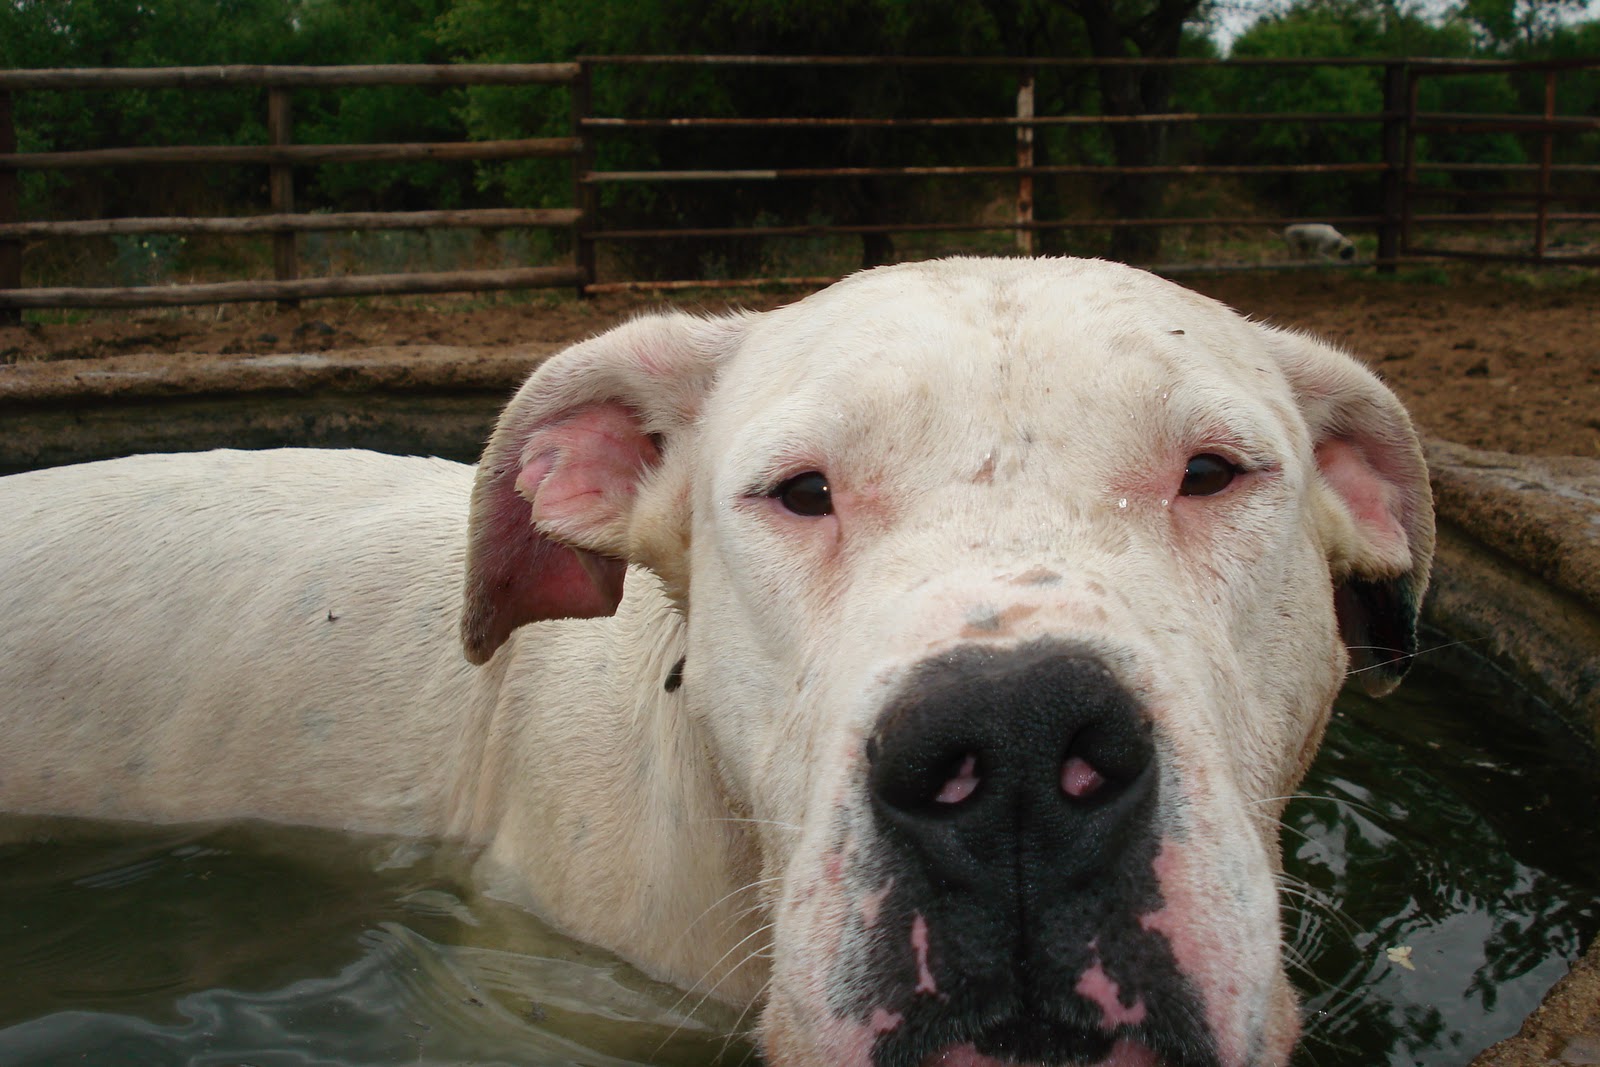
(1015, 795)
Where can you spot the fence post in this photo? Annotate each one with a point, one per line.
(1025, 234)
(10, 250)
(585, 197)
(280, 184)
(1395, 108)
(1542, 225)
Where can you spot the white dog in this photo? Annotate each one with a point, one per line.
(1309, 239)
(927, 661)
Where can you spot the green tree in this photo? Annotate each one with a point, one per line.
(517, 30)
(132, 33)
(138, 33)
(379, 31)
(1144, 29)
(1519, 27)
(1352, 29)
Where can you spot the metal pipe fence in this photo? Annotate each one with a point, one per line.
(1405, 177)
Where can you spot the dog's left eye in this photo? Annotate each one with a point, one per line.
(805, 494)
(1207, 474)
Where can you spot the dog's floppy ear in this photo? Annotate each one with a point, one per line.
(1376, 502)
(553, 504)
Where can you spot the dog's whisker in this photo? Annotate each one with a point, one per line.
(709, 908)
(711, 969)
(760, 952)
(1317, 898)
(1342, 996)
(1297, 832)
(1322, 798)
(1407, 655)
(1312, 919)
(779, 823)
(677, 1005)
(737, 1029)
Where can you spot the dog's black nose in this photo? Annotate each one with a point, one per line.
(1015, 868)
(1003, 770)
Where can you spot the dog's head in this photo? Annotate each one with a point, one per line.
(1016, 594)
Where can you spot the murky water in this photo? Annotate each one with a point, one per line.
(1449, 828)
(1453, 826)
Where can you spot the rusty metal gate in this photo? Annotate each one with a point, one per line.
(1559, 191)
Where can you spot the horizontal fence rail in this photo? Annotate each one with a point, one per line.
(302, 154)
(292, 77)
(1406, 179)
(1400, 123)
(972, 227)
(1548, 125)
(283, 223)
(979, 122)
(1452, 66)
(476, 281)
(472, 218)
(1091, 170)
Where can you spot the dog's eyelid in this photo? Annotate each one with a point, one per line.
(1249, 456)
(806, 494)
(1210, 472)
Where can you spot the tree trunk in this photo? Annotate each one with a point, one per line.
(1135, 91)
(871, 202)
(1151, 31)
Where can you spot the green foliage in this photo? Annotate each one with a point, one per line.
(137, 33)
(1356, 29)
(69, 33)
(131, 33)
(1520, 27)
(515, 30)
(379, 31)
(144, 259)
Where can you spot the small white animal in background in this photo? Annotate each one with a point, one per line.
(1309, 239)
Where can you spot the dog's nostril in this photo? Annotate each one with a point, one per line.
(1079, 778)
(927, 784)
(960, 785)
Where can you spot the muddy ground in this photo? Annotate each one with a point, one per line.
(1512, 365)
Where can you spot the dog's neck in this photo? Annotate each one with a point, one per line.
(634, 790)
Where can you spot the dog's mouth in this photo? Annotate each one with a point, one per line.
(1016, 1043)
(1119, 1053)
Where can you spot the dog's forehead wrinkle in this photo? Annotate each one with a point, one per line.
(1062, 405)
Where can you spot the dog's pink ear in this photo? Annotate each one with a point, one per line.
(1381, 544)
(555, 489)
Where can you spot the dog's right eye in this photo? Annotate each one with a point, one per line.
(805, 494)
(1206, 475)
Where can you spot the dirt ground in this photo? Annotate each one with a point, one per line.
(1503, 364)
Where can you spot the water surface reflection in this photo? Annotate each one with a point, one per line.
(1444, 868)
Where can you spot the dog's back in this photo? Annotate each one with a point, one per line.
(268, 568)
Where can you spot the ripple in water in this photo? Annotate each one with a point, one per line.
(1443, 868)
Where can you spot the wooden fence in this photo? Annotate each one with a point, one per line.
(281, 156)
(1395, 218)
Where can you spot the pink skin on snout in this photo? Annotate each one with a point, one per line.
(919, 945)
(1096, 986)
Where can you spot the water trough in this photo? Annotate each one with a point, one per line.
(1517, 577)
